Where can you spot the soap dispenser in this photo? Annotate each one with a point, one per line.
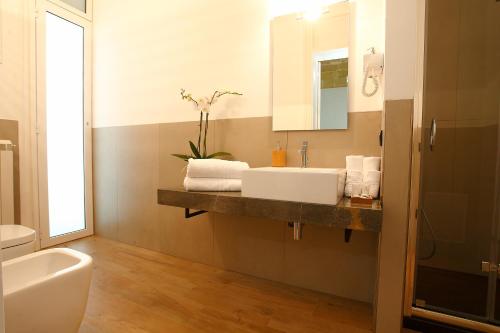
(279, 156)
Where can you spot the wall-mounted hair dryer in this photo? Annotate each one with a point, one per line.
(373, 66)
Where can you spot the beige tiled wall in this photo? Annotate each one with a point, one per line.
(132, 162)
(9, 130)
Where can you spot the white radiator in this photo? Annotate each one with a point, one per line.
(6, 182)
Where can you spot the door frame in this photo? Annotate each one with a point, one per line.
(40, 124)
(416, 159)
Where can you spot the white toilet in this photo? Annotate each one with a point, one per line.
(16, 240)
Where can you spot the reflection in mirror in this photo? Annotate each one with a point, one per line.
(330, 99)
(310, 70)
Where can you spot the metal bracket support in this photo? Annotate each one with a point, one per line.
(347, 235)
(188, 214)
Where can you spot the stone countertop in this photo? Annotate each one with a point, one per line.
(343, 215)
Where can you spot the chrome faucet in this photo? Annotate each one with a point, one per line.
(303, 154)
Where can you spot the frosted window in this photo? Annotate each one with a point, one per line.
(65, 144)
(78, 4)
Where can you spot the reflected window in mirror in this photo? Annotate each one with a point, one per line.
(310, 61)
(330, 89)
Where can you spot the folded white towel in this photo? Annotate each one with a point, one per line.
(212, 184)
(371, 163)
(354, 162)
(371, 177)
(354, 176)
(215, 168)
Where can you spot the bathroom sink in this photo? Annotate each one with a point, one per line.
(311, 185)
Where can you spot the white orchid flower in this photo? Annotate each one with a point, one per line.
(204, 105)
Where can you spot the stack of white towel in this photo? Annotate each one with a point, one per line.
(363, 176)
(214, 175)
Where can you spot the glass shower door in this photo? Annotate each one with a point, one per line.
(457, 243)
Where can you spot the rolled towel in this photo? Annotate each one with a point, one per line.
(348, 190)
(371, 177)
(212, 184)
(353, 189)
(215, 168)
(373, 190)
(354, 176)
(371, 163)
(354, 162)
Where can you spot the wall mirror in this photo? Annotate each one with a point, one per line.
(310, 58)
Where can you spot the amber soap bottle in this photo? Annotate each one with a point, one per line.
(278, 157)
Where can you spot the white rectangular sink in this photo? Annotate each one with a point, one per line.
(311, 185)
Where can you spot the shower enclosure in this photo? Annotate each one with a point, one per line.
(457, 254)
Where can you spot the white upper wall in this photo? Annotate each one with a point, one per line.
(15, 95)
(367, 30)
(144, 54)
(12, 60)
(401, 49)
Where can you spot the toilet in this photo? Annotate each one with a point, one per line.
(16, 240)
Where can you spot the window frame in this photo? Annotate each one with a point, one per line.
(89, 7)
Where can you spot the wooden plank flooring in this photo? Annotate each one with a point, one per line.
(137, 290)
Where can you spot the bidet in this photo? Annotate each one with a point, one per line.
(46, 291)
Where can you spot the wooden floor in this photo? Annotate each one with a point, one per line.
(136, 290)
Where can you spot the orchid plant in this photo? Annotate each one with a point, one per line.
(203, 105)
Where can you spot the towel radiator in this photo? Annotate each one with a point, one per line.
(6, 182)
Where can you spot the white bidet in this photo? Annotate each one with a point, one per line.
(46, 291)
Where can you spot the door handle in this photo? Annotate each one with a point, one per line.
(432, 138)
